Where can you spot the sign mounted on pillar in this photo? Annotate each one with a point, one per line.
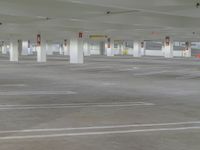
(98, 37)
(80, 35)
(38, 40)
(65, 42)
(142, 44)
(187, 45)
(109, 42)
(187, 50)
(168, 48)
(167, 40)
(29, 44)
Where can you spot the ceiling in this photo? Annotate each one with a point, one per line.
(128, 19)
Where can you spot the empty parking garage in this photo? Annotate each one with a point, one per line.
(93, 74)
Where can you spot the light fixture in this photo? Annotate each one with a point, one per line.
(197, 4)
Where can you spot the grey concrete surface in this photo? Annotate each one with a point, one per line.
(117, 103)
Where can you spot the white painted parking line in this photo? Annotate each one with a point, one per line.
(72, 104)
(189, 76)
(108, 83)
(103, 127)
(151, 73)
(98, 133)
(91, 68)
(27, 93)
(130, 69)
(77, 105)
(12, 85)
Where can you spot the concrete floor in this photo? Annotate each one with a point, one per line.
(107, 103)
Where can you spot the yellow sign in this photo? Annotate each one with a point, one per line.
(98, 36)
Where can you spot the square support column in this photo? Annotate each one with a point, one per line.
(188, 49)
(14, 51)
(24, 47)
(110, 47)
(86, 48)
(41, 49)
(66, 47)
(122, 47)
(49, 49)
(41, 52)
(3, 49)
(137, 49)
(66, 50)
(61, 49)
(168, 48)
(76, 51)
(143, 46)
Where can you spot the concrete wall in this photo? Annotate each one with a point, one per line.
(95, 49)
(153, 53)
(53, 48)
(177, 53)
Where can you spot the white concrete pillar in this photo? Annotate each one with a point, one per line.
(30, 50)
(3, 48)
(49, 49)
(188, 49)
(24, 48)
(110, 47)
(41, 49)
(14, 51)
(61, 49)
(121, 47)
(76, 51)
(66, 50)
(163, 48)
(86, 48)
(41, 52)
(137, 49)
(168, 48)
(66, 47)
